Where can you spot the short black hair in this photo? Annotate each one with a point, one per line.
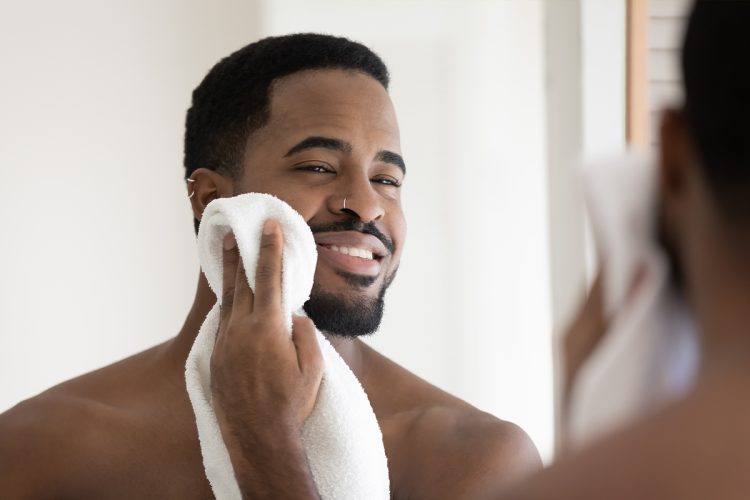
(716, 73)
(233, 99)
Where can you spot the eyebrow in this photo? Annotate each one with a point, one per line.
(392, 158)
(320, 142)
(345, 147)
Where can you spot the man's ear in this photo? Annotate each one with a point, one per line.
(206, 185)
(677, 168)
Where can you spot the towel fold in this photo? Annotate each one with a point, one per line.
(341, 438)
(649, 355)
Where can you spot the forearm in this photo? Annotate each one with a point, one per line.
(271, 465)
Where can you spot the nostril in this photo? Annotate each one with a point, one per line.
(351, 212)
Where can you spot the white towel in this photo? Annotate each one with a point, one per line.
(342, 440)
(649, 355)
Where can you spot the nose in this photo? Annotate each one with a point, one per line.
(357, 198)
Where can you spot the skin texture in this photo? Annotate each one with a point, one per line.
(127, 430)
(699, 446)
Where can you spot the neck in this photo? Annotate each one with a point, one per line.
(351, 350)
(722, 304)
(725, 329)
(179, 347)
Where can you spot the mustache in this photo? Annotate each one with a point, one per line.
(355, 225)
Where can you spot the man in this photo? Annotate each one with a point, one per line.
(306, 118)
(697, 448)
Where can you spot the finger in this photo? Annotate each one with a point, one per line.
(230, 259)
(305, 340)
(268, 272)
(594, 313)
(587, 330)
(638, 281)
(243, 294)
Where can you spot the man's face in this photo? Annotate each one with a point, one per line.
(332, 135)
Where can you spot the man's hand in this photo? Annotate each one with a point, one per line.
(584, 334)
(591, 324)
(264, 383)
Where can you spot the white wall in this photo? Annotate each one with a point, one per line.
(97, 249)
(98, 257)
(603, 76)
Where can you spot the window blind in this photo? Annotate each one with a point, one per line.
(666, 25)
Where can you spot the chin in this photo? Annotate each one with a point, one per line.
(346, 314)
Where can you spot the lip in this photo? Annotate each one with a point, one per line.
(348, 263)
(352, 239)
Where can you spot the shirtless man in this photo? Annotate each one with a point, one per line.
(306, 118)
(697, 448)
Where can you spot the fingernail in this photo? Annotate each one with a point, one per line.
(269, 227)
(229, 241)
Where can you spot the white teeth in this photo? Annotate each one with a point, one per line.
(354, 252)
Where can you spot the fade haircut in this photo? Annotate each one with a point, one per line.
(716, 72)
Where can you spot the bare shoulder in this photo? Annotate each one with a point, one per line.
(465, 453)
(49, 441)
(478, 438)
(70, 435)
(442, 447)
(693, 449)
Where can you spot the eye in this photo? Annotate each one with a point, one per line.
(316, 168)
(387, 181)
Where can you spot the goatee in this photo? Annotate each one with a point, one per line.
(347, 316)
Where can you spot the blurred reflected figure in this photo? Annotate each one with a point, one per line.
(697, 447)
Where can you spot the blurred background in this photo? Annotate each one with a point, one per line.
(498, 103)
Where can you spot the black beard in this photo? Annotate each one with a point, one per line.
(347, 316)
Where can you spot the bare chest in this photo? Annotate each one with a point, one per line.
(142, 457)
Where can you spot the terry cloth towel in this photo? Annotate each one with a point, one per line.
(650, 353)
(341, 438)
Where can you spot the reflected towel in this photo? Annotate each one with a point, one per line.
(649, 355)
(342, 440)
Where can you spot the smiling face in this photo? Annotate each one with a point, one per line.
(331, 150)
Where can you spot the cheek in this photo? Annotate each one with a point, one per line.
(305, 200)
(308, 204)
(398, 232)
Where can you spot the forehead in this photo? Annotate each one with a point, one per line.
(334, 103)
